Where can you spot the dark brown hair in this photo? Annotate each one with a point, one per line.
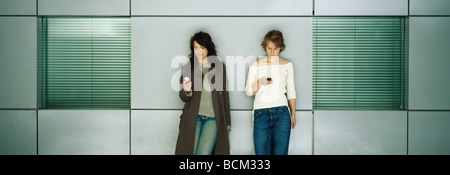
(276, 37)
(204, 39)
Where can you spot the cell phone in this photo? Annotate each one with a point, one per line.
(269, 79)
(186, 79)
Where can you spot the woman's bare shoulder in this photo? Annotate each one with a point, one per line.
(255, 63)
(260, 62)
(283, 61)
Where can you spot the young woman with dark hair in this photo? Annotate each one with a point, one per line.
(205, 122)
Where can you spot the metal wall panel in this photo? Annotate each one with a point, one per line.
(427, 7)
(360, 132)
(241, 135)
(83, 132)
(84, 7)
(429, 83)
(18, 52)
(18, 132)
(429, 133)
(18, 7)
(302, 135)
(361, 7)
(154, 132)
(221, 7)
(158, 42)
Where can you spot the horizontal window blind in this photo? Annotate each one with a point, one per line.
(359, 63)
(87, 62)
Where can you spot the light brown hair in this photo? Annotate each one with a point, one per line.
(276, 37)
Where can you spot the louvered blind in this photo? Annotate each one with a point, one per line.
(359, 63)
(87, 62)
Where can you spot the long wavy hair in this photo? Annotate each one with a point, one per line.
(204, 39)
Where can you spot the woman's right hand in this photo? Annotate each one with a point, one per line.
(258, 83)
(187, 86)
(264, 81)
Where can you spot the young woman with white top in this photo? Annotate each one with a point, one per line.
(271, 80)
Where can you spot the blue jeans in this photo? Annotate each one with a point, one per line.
(271, 131)
(205, 135)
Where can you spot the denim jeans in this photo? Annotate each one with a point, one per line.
(205, 135)
(271, 131)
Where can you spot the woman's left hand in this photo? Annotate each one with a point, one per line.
(293, 122)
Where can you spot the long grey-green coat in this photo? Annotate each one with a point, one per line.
(221, 105)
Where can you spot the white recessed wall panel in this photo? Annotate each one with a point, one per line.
(18, 7)
(241, 135)
(154, 132)
(18, 52)
(300, 142)
(429, 133)
(429, 62)
(360, 132)
(84, 7)
(161, 44)
(83, 132)
(18, 132)
(429, 7)
(361, 7)
(221, 7)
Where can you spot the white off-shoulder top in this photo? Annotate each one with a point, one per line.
(275, 94)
